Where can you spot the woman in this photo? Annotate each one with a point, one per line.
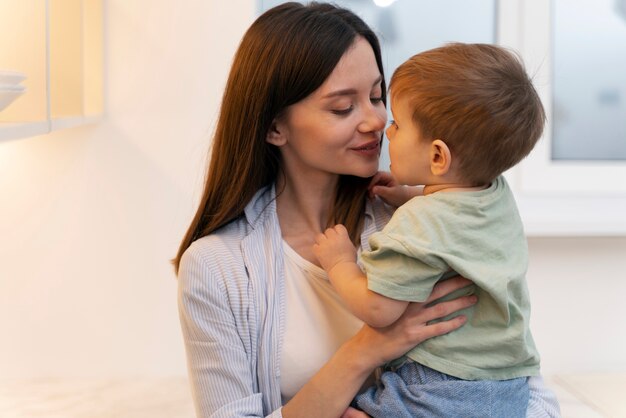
(296, 145)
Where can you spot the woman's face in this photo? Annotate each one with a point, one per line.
(336, 129)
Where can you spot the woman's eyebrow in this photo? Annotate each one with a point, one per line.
(343, 92)
(350, 91)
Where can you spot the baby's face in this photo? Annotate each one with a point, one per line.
(409, 151)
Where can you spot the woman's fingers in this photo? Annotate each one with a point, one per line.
(419, 313)
(443, 309)
(448, 286)
(422, 330)
(443, 327)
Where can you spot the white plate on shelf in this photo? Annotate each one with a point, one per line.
(12, 87)
(11, 77)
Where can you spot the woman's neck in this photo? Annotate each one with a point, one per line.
(303, 207)
(305, 204)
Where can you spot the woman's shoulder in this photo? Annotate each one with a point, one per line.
(211, 255)
(220, 252)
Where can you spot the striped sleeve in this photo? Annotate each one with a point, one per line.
(220, 366)
(542, 403)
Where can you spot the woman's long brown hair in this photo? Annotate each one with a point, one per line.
(285, 55)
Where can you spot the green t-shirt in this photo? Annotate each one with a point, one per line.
(478, 235)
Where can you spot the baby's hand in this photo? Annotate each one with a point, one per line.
(334, 247)
(385, 186)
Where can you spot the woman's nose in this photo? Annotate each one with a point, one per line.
(374, 118)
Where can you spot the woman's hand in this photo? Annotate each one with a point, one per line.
(376, 346)
(385, 186)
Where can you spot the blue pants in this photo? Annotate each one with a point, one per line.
(414, 390)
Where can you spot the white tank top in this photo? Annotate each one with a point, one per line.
(317, 322)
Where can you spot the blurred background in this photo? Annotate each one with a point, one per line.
(94, 201)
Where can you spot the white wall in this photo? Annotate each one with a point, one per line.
(577, 288)
(89, 217)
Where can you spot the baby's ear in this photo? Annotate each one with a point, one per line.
(440, 157)
(276, 134)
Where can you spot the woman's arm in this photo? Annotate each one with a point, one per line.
(219, 364)
(330, 391)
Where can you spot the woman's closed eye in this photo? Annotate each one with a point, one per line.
(344, 111)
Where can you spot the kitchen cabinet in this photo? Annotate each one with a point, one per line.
(58, 46)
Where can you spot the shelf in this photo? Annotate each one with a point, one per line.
(72, 122)
(23, 130)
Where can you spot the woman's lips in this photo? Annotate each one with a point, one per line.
(371, 148)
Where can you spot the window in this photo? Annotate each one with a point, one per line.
(574, 181)
(589, 80)
(564, 188)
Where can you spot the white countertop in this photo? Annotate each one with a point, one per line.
(96, 398)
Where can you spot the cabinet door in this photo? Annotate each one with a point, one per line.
(58, 46)
(66, 58)
(23, 49)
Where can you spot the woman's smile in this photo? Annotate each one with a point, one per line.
(370, 149)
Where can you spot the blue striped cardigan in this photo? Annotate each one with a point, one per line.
(231, 300)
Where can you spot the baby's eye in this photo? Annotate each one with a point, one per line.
(393, 123)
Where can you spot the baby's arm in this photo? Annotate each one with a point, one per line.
(337, 256)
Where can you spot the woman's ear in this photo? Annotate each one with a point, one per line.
(276, 134)
(440, 158)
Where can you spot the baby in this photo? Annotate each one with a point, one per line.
(463, 114)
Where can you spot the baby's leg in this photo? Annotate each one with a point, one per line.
(418, 391)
